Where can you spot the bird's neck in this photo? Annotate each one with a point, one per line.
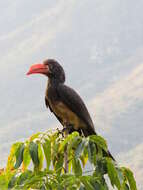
(53, 82)
(51, 89)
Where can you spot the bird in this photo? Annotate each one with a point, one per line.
(63, 101)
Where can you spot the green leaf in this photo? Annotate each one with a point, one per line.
(82, 187)
(19, 155)
(59, 164)
(84, 159)
(92, 152)
(13, 181)
(129, 175)
(3, 182)
(79, 149)
(55, 151)
(67, 140)
(33, 149)
(43, 187)
(97, 185)
(68, 181)
(11, 157)
(112, 172)
(74, 143)
(26, 158)
(33, 183)
(99, 141)
(35, 136)
(120, 175)
(101, 167)
(125, 187)
(87, 183)
(40, 156)
(76, 166)
(47, 151)
(24, 176)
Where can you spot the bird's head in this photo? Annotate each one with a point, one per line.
(51, 68)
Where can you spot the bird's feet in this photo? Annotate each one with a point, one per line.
(68, 129)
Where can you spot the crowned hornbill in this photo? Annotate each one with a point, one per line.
(63, 101)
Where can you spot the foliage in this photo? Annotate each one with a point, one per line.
(38, 163)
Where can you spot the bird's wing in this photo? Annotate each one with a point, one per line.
(74, 102)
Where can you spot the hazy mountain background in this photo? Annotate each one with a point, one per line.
(100, 45)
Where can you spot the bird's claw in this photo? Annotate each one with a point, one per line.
(68, 129)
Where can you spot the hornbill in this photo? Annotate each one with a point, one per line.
(63, 101)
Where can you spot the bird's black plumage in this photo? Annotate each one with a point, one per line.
(74, 102)
(57, 92)
(63, 101)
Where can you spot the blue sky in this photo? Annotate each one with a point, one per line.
(100, 45)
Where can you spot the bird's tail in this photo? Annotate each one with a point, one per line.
(110, 155)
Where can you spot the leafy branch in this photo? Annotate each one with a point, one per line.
(38, 163)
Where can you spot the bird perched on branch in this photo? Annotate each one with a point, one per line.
(63, 101)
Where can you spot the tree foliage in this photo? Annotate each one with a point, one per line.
(39, 163)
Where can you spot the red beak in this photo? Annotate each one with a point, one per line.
(38, 68)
